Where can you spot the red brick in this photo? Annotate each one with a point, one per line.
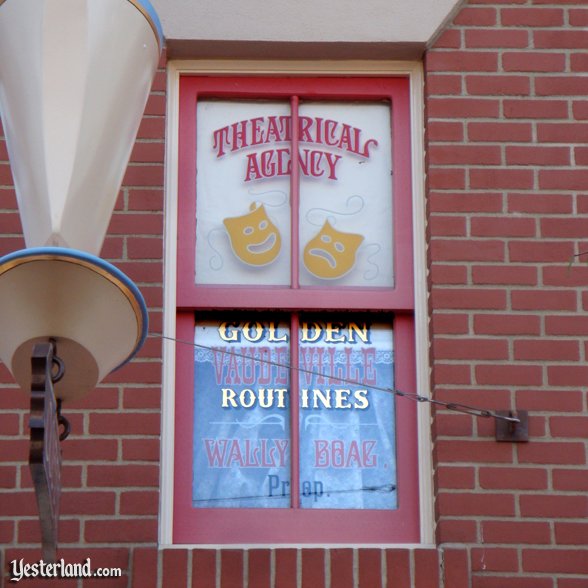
(136, 223)
(152, 152)
(464, 298)
(551, 453)
(134, 530)
(456, 477)
(447, 178)
(562, 179)
(546, 350)
(473, 17)
(144, 175)
(476, 250)
(155, 105)
(500, 131)
(562, 39)
(581, 155)
(570, 480)
(369, 568)
(286, 568)
(537, 155)
(566, 561)
(561, 85)
(571, 533)
(259, 568)
(451, 323)
(448, 39)
(565, 133)
(204, 568)
(88, 502)
(463, 108)
(426, 568)
(445, 131)
(459, 202)
(543, 300)
(313, 568)
(341, 565)
(532, 17)
(125, 423)
(514, 478)
(456, 567)
(89, 449)
(567, 375)
(494, 559)
(578, 17)
(231, 568)
(456, 531)
(501, 226)
(499, 38)
(475, 504)
(504, 275)
(469, 348)
(580, 109)
(509, 375)
(568, 426)
(29, 531)
(145, 200)
(547, 506)
(144, 247)
(145, 564)
(501, 178)
(542, 251)
(114, 476)
(488, 581)
(142, 398)
(540, 203)
(152, 128)
(506, 324)
(139, 502)
(175, 568)
(448, 274)
(442, 84)
(398, 568)
(464, 155)
(452, 425)
(533, 108)
(448, 226)
(462, 451)
(140, 450)
(452, 374)
(579, 62)
(460, 61)
(499, 85)
(513, 532)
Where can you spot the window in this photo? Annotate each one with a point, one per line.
(295, 292)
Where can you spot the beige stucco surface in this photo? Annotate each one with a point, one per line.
(306, 28)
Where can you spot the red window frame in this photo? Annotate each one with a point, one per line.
(295, 525)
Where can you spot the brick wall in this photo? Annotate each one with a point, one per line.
(507, 130)
(507, 162)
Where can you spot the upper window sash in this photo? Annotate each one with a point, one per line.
(300, 289)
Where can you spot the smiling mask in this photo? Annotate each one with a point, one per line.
(254, 238)
(331, 253)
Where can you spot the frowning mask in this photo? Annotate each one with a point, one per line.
(331, 253)
(254, 238)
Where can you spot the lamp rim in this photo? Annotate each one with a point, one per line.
(98, 266)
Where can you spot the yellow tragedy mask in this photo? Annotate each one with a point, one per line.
(331, 253)
(254, 238)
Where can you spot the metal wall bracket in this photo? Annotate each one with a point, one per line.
(45, 452)
(514, 427)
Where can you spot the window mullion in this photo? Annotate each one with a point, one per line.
(294, 194)
(294, 411)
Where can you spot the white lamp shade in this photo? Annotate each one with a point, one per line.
(75, 76)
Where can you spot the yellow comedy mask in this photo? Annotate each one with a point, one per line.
(331, 253)
(254, 238)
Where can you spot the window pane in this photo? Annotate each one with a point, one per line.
(347, 427)
(242, 193)
(345, 195)
(241, 415)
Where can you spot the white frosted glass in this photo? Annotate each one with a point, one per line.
(253, 249)
(346, 195)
